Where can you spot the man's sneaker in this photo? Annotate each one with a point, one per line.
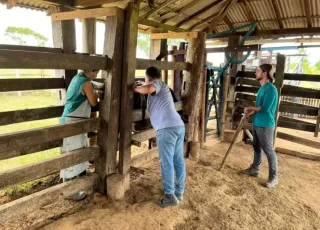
(272, 182)
(179, 196)
(168, 200)
(250, 171)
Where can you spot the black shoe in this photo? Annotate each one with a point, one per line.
(250, 172)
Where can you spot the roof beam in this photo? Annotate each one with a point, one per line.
(276, 10)
(228, 22)
(196, 14)
(279, 32)
(93, 13)
(248, 11)
(221, 15)
(180, 11)
(155, 10)
(146, 22)
(204, 21)
(90, 3)
(308, 12)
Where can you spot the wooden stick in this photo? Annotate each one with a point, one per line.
(240, 126)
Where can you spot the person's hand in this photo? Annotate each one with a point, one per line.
(136, 84)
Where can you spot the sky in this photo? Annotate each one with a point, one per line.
(41, 23)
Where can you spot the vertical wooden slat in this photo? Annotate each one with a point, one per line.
(279, 77)
(128, 76)
(202, 122)
(109, 108)
(89, 46)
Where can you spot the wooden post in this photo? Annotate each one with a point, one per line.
(279, 77)
(128, 76)
(64, 37)
(191, 89)
(159, 47)
(89, 46)
(226, 82)
(202, 113)
(109, 107)
(234, 68)
(316, 133)
(173, 59)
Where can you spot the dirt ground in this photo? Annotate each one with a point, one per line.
(213, 200)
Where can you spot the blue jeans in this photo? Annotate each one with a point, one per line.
(170, 146)
(263, 141)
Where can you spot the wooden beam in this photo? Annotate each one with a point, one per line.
(181, 35)
(228, 22)
(277, 12)
(30, 149)
(278, 32)
(12, 59)
(31, 137)
(317, 129)
(144, 135)
(90, 3)
(9, 85)
(157, 9)
(143, 158)
(298, 140)
(146, 22)
(296, 124)
(308, 12)
(248, 11)
(221, 15)
(137, 114)
(41, 203)
(92, 13)
(109, 107)
(287, 76)
(162, 65)
(198, 13)
(31, 48)
(47, 167)
(128, 78)
(12, 117)
(180, 11)
(204, 21)
(297, 154)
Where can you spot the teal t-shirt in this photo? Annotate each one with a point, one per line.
(74, 96)
(267, 99)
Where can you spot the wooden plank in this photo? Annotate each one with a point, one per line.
(207, 20)
(44, 168)
(308, 12)
(128, 78)
(31, 137)
(287, 76)
(247, 81)
(137, 114)
(298, 140)
(31, 48)
(109, 108)
(297, 154)
(297, 110)
(233, 49)
(9, 85)
(91, 13)
(228, 22)
(316, 132)
(277, 12)
(296, 124)
(144, 135)
(248, 11)
(222, 14)
(246, 96)
(90, 3)
(12, 59)
(180, 35)
(12, 117)
(30, 149)
(163, 65)
(297, 91)
(146, 22)
(180, 11)
(43, 202)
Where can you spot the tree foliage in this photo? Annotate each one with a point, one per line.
(19, 34)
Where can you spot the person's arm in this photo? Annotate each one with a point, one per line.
(144, 89)
(89, 92)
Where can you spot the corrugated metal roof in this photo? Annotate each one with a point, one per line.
(292, 12)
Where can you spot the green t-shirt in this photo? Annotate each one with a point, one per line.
(267, 99)
(74, 96)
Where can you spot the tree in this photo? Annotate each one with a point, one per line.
(19, 34)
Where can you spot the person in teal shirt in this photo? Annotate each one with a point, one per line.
(264, 124)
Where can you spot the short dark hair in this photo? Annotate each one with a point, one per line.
(267, 68)
(153, 72)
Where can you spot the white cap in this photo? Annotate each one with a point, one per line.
(272, 71)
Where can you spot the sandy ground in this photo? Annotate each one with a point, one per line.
(213, 200)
